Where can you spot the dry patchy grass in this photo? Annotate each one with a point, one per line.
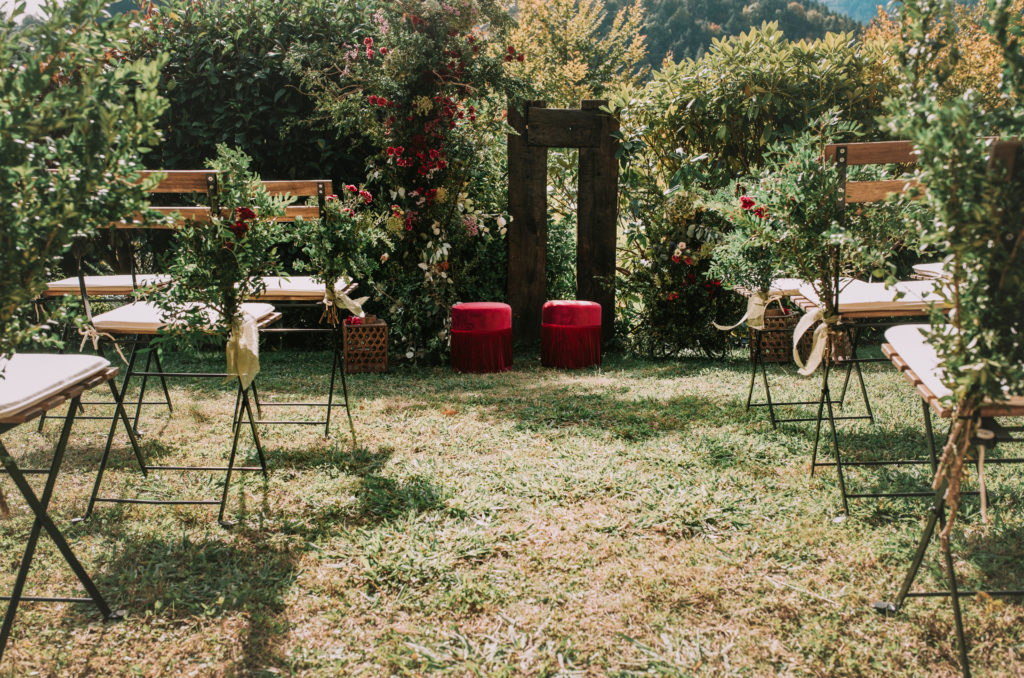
(629, 520)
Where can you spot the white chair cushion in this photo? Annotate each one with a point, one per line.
(787, 286)
(143, 317)
(919, 355)
(30, 378)
(860, 296)
(297, 288)
(101, 285)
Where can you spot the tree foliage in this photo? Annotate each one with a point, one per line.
(229, 80)
(970, 53)
(579, 49)
(73, 119)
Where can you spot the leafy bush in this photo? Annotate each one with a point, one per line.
(667, 299)
(74, 119)
(711, 120)
(425, 85)
(229, 80)
(707, 123)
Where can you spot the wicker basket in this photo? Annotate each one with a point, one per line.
(366, 347)
(777, 346)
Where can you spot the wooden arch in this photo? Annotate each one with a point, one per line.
(591, 130)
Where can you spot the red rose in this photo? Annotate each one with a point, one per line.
(239, 228)
(373, 99)
(365, 195)
(244, 214)
(675, 259)
(368, 42)
(369, 53)
(689, 261)
(746, 202)
(520, 58)
(383, 51)
(761, 213)
(351, 188)
(672, 296)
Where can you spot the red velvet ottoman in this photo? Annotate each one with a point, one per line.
(481, 337)
(570, 334)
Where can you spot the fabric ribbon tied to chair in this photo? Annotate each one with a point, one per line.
(819, 340)
(243, 349)
(334, 298)
(757, 305)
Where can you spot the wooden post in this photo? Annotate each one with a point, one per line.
(528, 230)
(597, 219)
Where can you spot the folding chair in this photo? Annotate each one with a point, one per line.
(910, 353)
(138, 323)
(31, 385)
(297, 292)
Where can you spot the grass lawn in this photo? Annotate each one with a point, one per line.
(631, 520)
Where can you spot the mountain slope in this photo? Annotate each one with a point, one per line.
(685, 28)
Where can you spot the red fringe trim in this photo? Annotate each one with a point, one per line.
(482, 351)
(570, 346)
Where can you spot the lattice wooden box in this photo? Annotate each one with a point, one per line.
(366, 346)
(777, 347)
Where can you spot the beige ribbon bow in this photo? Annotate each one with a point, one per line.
(819, 341)
(757, 304)
(243, 350)
(334, 298)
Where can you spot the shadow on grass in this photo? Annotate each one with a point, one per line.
(196, 577)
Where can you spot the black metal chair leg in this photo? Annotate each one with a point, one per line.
(163, 380)
(43, 521)
(958, 620)
(237, 429)
(819, 419)
(835, 445)
(142, 388)
(754, 345)
(330, 391)
(255, 433)
(348, 410)
(119, 413)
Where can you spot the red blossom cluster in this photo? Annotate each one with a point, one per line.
(510, 55)
(243, 215)
(380, 101)
(353, 320)
(747, 203)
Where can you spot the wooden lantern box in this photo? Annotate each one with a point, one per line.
(366, 346)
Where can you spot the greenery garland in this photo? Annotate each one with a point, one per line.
(977, 219)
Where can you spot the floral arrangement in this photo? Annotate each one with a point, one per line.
(218, 264)
(746, 258)
(426, 85)
(977, 220)
(667, 293)
(339, 245)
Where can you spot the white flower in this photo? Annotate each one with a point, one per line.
(501, 222)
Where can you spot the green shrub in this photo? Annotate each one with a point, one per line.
(229, 80)
(73, 120)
